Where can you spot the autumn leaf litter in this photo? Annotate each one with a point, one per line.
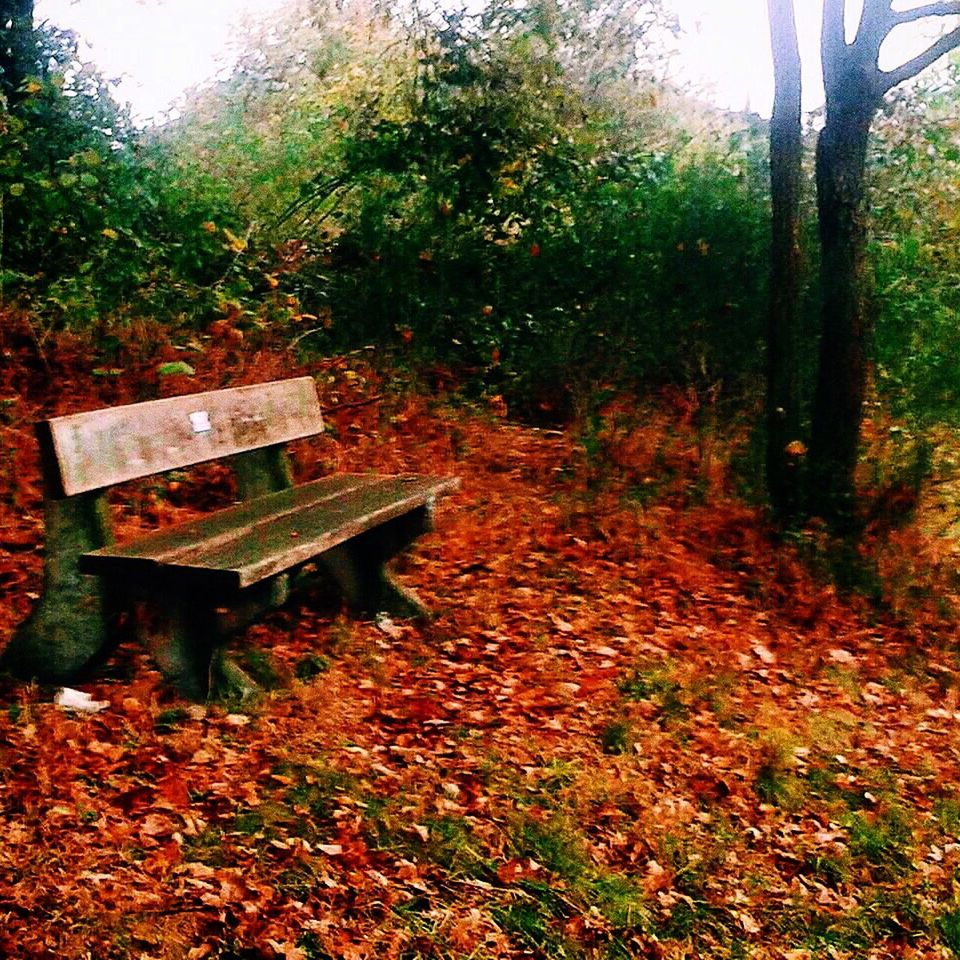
(637, 724)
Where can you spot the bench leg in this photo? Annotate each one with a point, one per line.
(181, 637)
(67, 632)
(358, 567)
(185, 636)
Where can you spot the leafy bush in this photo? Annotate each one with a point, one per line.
(96, 220)
(916, 192)
(492, 190)
(467, 189)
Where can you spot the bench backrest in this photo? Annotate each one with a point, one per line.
(90, 451)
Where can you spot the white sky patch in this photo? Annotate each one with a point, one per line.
(724, 50)
(159, 48)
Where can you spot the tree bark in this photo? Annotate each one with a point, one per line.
(855, 86)
(786, 145)
(842, 371)
(18, 52)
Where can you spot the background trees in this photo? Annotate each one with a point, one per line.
(511, 193)
(473, 188)
(855, 87)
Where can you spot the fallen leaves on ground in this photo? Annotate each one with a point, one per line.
(639, 726)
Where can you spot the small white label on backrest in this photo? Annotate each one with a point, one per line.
(200, 421)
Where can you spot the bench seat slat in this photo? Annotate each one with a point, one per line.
(166, 544)
(254, 540)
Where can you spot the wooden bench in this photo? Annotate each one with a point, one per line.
(205, 578)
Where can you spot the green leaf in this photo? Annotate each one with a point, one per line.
(16, 189)
(176, 368)
(68, 180)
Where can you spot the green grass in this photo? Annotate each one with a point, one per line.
(883, 841)
(948, 925)
(677, 699)
(169, 720)
(309, 943)
(535, 911)
(622, 900)
(249, 822)
(617, 737)
(450, 844)
(556, 843)
(831, 871)
(260, 666)
(532, 919)
(656, 683)
(318, 789)
(776, 780)
(947, 813)
(884, 917)
(206, 847)
(311, 666)
(557, 776)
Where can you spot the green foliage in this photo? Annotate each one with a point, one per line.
(525, 242)
(95, 220)
(949, 927)
(501, 189)
(489, 189)
(64, 142)
(883, 840)
(506, 190)
(916, 193)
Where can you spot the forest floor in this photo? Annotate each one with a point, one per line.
(640, 726)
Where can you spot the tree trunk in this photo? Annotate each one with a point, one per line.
(855, 86)
(18, 52)
(783, 394)
(842, 374)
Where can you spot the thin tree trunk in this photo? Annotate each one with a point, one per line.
(783, 395)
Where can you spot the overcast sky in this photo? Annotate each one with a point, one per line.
(158, 47)
(161, 47)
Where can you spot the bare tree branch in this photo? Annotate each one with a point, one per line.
(876, 21)
(874, 18)
(888, 79)
(833, 40)
(944, 9)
